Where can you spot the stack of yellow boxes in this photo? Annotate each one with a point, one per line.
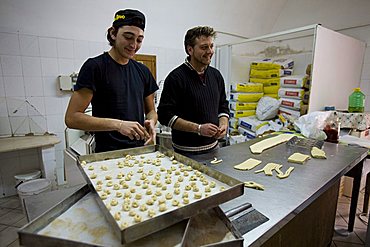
(243, 102)
(268, 72)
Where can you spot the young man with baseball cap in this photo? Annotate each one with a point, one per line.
(120, 90)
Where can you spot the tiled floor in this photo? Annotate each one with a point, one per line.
(12, 218)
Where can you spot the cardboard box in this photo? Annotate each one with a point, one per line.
(361, 134)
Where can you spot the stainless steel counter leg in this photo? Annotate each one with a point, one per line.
(365, 207)
(356, 174)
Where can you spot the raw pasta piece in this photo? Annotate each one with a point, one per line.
(254, 185)
(284, 175)
(298, 158)
(248, 164)
(269, 168)
(260, 146)
(318, 153)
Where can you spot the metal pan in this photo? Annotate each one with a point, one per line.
(235, 188)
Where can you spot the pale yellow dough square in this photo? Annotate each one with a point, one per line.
(298, 158)
(248, 164)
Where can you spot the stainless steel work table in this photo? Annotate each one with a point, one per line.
(284, 199)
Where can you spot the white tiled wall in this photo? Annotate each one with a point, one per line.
(30, 100)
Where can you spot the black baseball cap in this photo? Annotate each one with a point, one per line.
(129, 17)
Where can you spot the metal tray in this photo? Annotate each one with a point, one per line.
(169, 218)
(48, 230)
(29, 234)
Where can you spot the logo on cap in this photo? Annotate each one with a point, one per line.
(119, 17)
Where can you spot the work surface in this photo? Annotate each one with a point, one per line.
(9, 144)
(282, 199)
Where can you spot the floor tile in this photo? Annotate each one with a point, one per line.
(361, 233)
(344, 199)
(21, 222)
(11, 218)
(2, 227)
(14, 244)
(4, 199)
(345, 244)
(339, 221)
(8, 236)
(11, 203)
(4, 211)
(351, 238)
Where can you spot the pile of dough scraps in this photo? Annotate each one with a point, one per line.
(254, 185)
(270, 167)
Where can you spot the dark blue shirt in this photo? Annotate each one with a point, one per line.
(118, 92)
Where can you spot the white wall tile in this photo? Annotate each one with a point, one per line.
(48, 47)
(29, 45)
(78, 64)
(60, 175)
(3, 107)
(19, 125)
(5, 127)
(59, 159)
(62, 144)
(31, 161)
(36, 106)
(55, 123)
(16, 106)
(11, 65)
(97, 48)
(81, 49)
(14, 86)
(33, 86)
(66, 66)
(2, 88)
(9, 44)
(53, 106)
(38, 125)
(31, 66)
(50, 86)
(49, 67)
(65, 102)
(65, 48)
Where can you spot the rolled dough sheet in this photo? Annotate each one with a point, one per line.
(248, 164)
(318, 153)
(259, 147)
(298, 158)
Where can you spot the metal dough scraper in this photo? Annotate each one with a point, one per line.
(245, 218)
(303, 145)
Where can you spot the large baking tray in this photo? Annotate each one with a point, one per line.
(51, 229)
(29, 234)
(163, 221)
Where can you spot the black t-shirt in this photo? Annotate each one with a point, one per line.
(118, 92)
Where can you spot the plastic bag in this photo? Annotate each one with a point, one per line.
(311, 125)
(267, 108)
